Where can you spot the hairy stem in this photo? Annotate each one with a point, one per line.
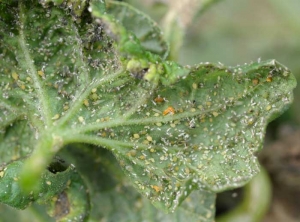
(44, 150)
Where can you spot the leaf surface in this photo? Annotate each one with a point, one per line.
(72, 80)
(143, 27)
(115, 192)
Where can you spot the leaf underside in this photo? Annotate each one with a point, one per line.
(63, 81)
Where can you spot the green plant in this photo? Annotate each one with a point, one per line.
(77, 76)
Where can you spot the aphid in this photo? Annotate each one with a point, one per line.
(15, 76)
(255, 81)
(156, 188)
(41, 73)
(56, 116)
(270, 78)
(169, 110)
(159, 99)
(86, 102)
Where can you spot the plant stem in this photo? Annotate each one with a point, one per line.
(180, 15)
(48, 144)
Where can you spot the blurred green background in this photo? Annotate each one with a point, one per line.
(240, 31)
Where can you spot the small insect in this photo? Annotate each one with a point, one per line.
(156, 188)
(270, 78)
(159, 99)
(255, 82)
(169, 110)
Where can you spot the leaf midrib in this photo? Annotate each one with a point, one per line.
(41, 93)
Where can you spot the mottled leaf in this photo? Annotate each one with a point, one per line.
(90, 79)
(75, 6)
(72, 204)
(110, 190)
(13, 195)
(200, 133)
(62, 191)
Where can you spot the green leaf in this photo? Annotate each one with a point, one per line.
(142, 26)
(73, 203)
(208, 143)
(89, 80)
(44, 67)
(77, 6)
(13, 195)
(33, 213)
(18, 137)
(114, 192)
(138, 61)
(62, 190)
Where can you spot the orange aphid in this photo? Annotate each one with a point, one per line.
(269, 78)
(255, 81)
(156, 188)
(159, 99)
(169, 110)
